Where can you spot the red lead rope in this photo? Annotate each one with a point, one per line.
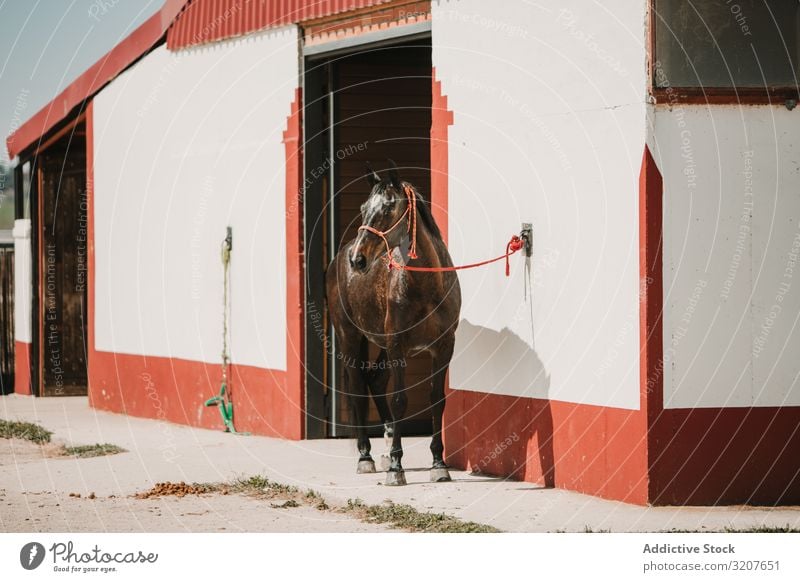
(515, 244)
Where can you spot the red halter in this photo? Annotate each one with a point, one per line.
(411, 212)
(515, 244)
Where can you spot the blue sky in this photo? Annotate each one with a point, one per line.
(46, 44)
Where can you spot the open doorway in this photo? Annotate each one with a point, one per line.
(372, 104)
(59, 362)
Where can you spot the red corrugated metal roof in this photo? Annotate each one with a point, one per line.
(90, 82)
(204, 21)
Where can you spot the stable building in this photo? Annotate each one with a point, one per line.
(646, 352)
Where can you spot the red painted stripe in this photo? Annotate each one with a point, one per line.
(651, 357)
(175, 390)
(441, 120)
(22, 368)
(295, 290)
(590, 449)
(90, 256)
(712, 456)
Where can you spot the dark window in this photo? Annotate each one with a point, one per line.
(726, 43)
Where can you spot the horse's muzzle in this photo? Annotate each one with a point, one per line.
(358, 262)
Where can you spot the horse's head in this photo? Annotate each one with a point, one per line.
(382, 213)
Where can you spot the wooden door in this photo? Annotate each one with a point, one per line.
(63, 270)
(382, 110)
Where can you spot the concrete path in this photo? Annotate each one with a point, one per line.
(161, 451)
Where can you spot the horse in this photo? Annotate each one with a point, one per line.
(373, 298)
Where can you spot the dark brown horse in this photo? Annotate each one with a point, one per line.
(402, 312)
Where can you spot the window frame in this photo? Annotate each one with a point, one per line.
(772, 95)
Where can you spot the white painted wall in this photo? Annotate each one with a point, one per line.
(186, 144)
(550, 123)
(22, 280)
(731, 246)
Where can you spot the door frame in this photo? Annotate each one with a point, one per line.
(36, 206)
(319, 355)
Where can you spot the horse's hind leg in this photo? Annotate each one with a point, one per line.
(377, 380)
(356, 387)
(441, 361)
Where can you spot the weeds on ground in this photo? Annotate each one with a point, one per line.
(754, 529)
(10, 429)
(406, 517)
(260, 484)
(96, 450)
(764, 529)
(400, 516)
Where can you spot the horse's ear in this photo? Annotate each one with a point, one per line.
(394, 174)
(372, 177)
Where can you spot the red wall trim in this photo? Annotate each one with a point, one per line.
(174, 390)
(295, 292)
(713, 456)
(22, 368)
(590, 449)
(441, 120)
(651, 303)
(268, 402)
(90, 265)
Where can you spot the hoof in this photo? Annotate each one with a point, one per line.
(440, 475)
(396, 478)
(366, 466)
(386, 462)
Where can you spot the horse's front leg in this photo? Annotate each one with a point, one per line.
(441, 362)
(396, 475)
(377, 382)
(358, 398)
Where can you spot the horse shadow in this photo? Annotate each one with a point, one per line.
(508, 436)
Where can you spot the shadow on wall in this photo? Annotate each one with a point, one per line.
(486, 360)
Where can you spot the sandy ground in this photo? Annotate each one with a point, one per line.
(35, 487)
(60, 511)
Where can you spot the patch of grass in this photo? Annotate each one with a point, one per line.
(406, 517)
(764, 529)
(755, 529)
(10, 429)
(353, 504)
(285, 504)
(318, 500)
(587, 529)
(96, 450)
(260, 484)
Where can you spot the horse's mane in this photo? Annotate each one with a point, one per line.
(425, 212)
